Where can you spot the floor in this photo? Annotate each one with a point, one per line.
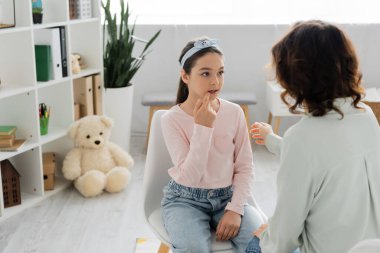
(67, 222)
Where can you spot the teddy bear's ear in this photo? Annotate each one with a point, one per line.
(108, 122)
(73, 129)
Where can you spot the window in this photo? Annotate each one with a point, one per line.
(250, 11)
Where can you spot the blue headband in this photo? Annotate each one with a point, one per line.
(199, 45)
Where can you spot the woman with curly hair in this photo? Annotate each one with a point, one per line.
(328, 184)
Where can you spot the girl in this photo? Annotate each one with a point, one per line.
(328, 182)
(213, 170)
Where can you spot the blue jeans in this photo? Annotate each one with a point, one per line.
(191, 213)
(254, 246)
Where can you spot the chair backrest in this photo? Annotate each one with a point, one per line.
(366, 246)
(157, 163)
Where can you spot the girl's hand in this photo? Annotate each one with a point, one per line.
(203, 113)
(260, 230)
(259, 131)
(228, 226)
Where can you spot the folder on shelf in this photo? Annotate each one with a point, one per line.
(43, 62)
(49, 166)
(62, 32)
(97, 90)
(76, 111)
(51, 37)
(83, 95)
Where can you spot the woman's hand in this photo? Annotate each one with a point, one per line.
(228, 226)
(260, 230)
(203, 112)
(259, 131)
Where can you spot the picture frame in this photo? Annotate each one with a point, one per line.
(7, 14)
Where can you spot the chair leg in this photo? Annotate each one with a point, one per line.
(246, 114)
(276, 126)
(163, 248)
(269, 118)
(151, 112)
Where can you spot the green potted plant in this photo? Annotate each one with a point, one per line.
(121, 63)
(37, 11)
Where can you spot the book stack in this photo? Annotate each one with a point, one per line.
(8, 141)
(7, 136)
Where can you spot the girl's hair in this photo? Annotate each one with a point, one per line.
(316, 63)
(183, 91)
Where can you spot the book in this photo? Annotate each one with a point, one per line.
(43, 62)
(52, 38)
(147, 245)
(7, 130)
(62, 33)
(16, 145)
(7, 142)
(7, 137)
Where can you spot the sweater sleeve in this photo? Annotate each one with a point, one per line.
(295, 196)
(243, 167)
(189, 157)
(273, 143)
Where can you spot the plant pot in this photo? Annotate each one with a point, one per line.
(37, 18)
(118, 106)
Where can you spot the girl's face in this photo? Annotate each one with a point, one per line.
(206, 76)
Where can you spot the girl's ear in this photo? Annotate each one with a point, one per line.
(184, 76)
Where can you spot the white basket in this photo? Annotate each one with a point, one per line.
(83, 9)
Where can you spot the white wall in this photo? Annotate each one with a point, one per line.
(246, 49)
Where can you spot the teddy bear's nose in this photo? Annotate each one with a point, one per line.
(97, 142)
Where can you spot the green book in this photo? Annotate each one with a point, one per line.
(43, 62)
(7, 130)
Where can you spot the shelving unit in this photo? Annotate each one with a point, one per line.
(20, 93)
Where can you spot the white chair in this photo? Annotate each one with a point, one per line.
(366, 246)
(156, 176)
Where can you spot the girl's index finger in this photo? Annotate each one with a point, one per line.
(198, 105)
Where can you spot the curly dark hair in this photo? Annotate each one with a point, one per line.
(183, 91)
(316, 63)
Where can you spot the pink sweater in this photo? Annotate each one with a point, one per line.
(211, 158)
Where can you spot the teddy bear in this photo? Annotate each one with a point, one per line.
(95, 163)
(75, 66)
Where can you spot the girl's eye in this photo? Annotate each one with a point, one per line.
(101, 133)
(221, 73)
(88, 136)
(205, 74)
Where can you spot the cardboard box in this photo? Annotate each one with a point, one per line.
(48, 160)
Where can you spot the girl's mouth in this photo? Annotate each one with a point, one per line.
(212, 92)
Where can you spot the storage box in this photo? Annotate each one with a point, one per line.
(72, 9)
(48, 160)
(83, 9)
